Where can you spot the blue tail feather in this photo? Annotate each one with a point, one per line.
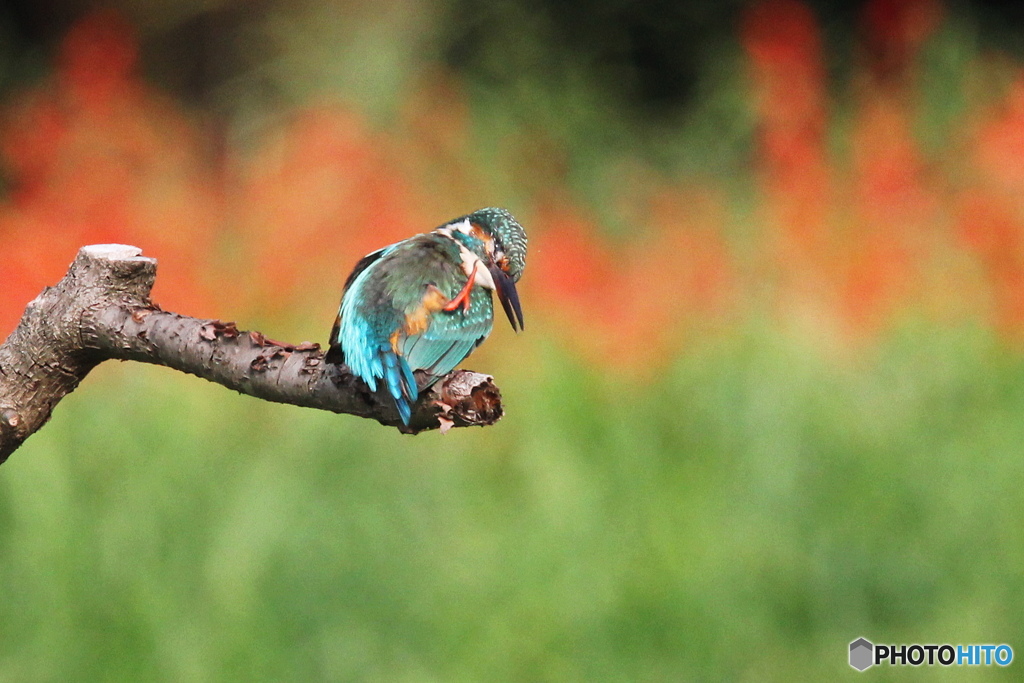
(404, 411)
(410, 379)
(401, 382)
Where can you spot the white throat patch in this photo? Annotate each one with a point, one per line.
(469, 259)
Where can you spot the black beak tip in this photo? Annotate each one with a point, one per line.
(509, 298)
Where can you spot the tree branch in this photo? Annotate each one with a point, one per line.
(101, 310)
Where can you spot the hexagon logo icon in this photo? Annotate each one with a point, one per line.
(860, 654)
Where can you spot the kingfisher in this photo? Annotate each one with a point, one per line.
(424, 304)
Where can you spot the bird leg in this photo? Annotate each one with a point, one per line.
(462, 298)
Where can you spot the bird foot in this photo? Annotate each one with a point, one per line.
(462, 298)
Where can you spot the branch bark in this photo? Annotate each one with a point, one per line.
(101, 311)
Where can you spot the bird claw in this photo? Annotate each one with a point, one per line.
(462, 298)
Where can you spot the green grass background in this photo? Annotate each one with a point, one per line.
(743, 517)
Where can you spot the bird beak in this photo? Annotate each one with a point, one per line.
(508, 296)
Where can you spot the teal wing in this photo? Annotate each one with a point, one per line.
(335, 352)
(451, 335)
(363, 332)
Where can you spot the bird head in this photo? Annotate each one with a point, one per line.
(507, 246)
(502, 249)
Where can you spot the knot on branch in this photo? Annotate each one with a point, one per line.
(11, 421)
(462, 399)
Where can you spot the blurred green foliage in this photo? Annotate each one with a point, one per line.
(743, 517)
